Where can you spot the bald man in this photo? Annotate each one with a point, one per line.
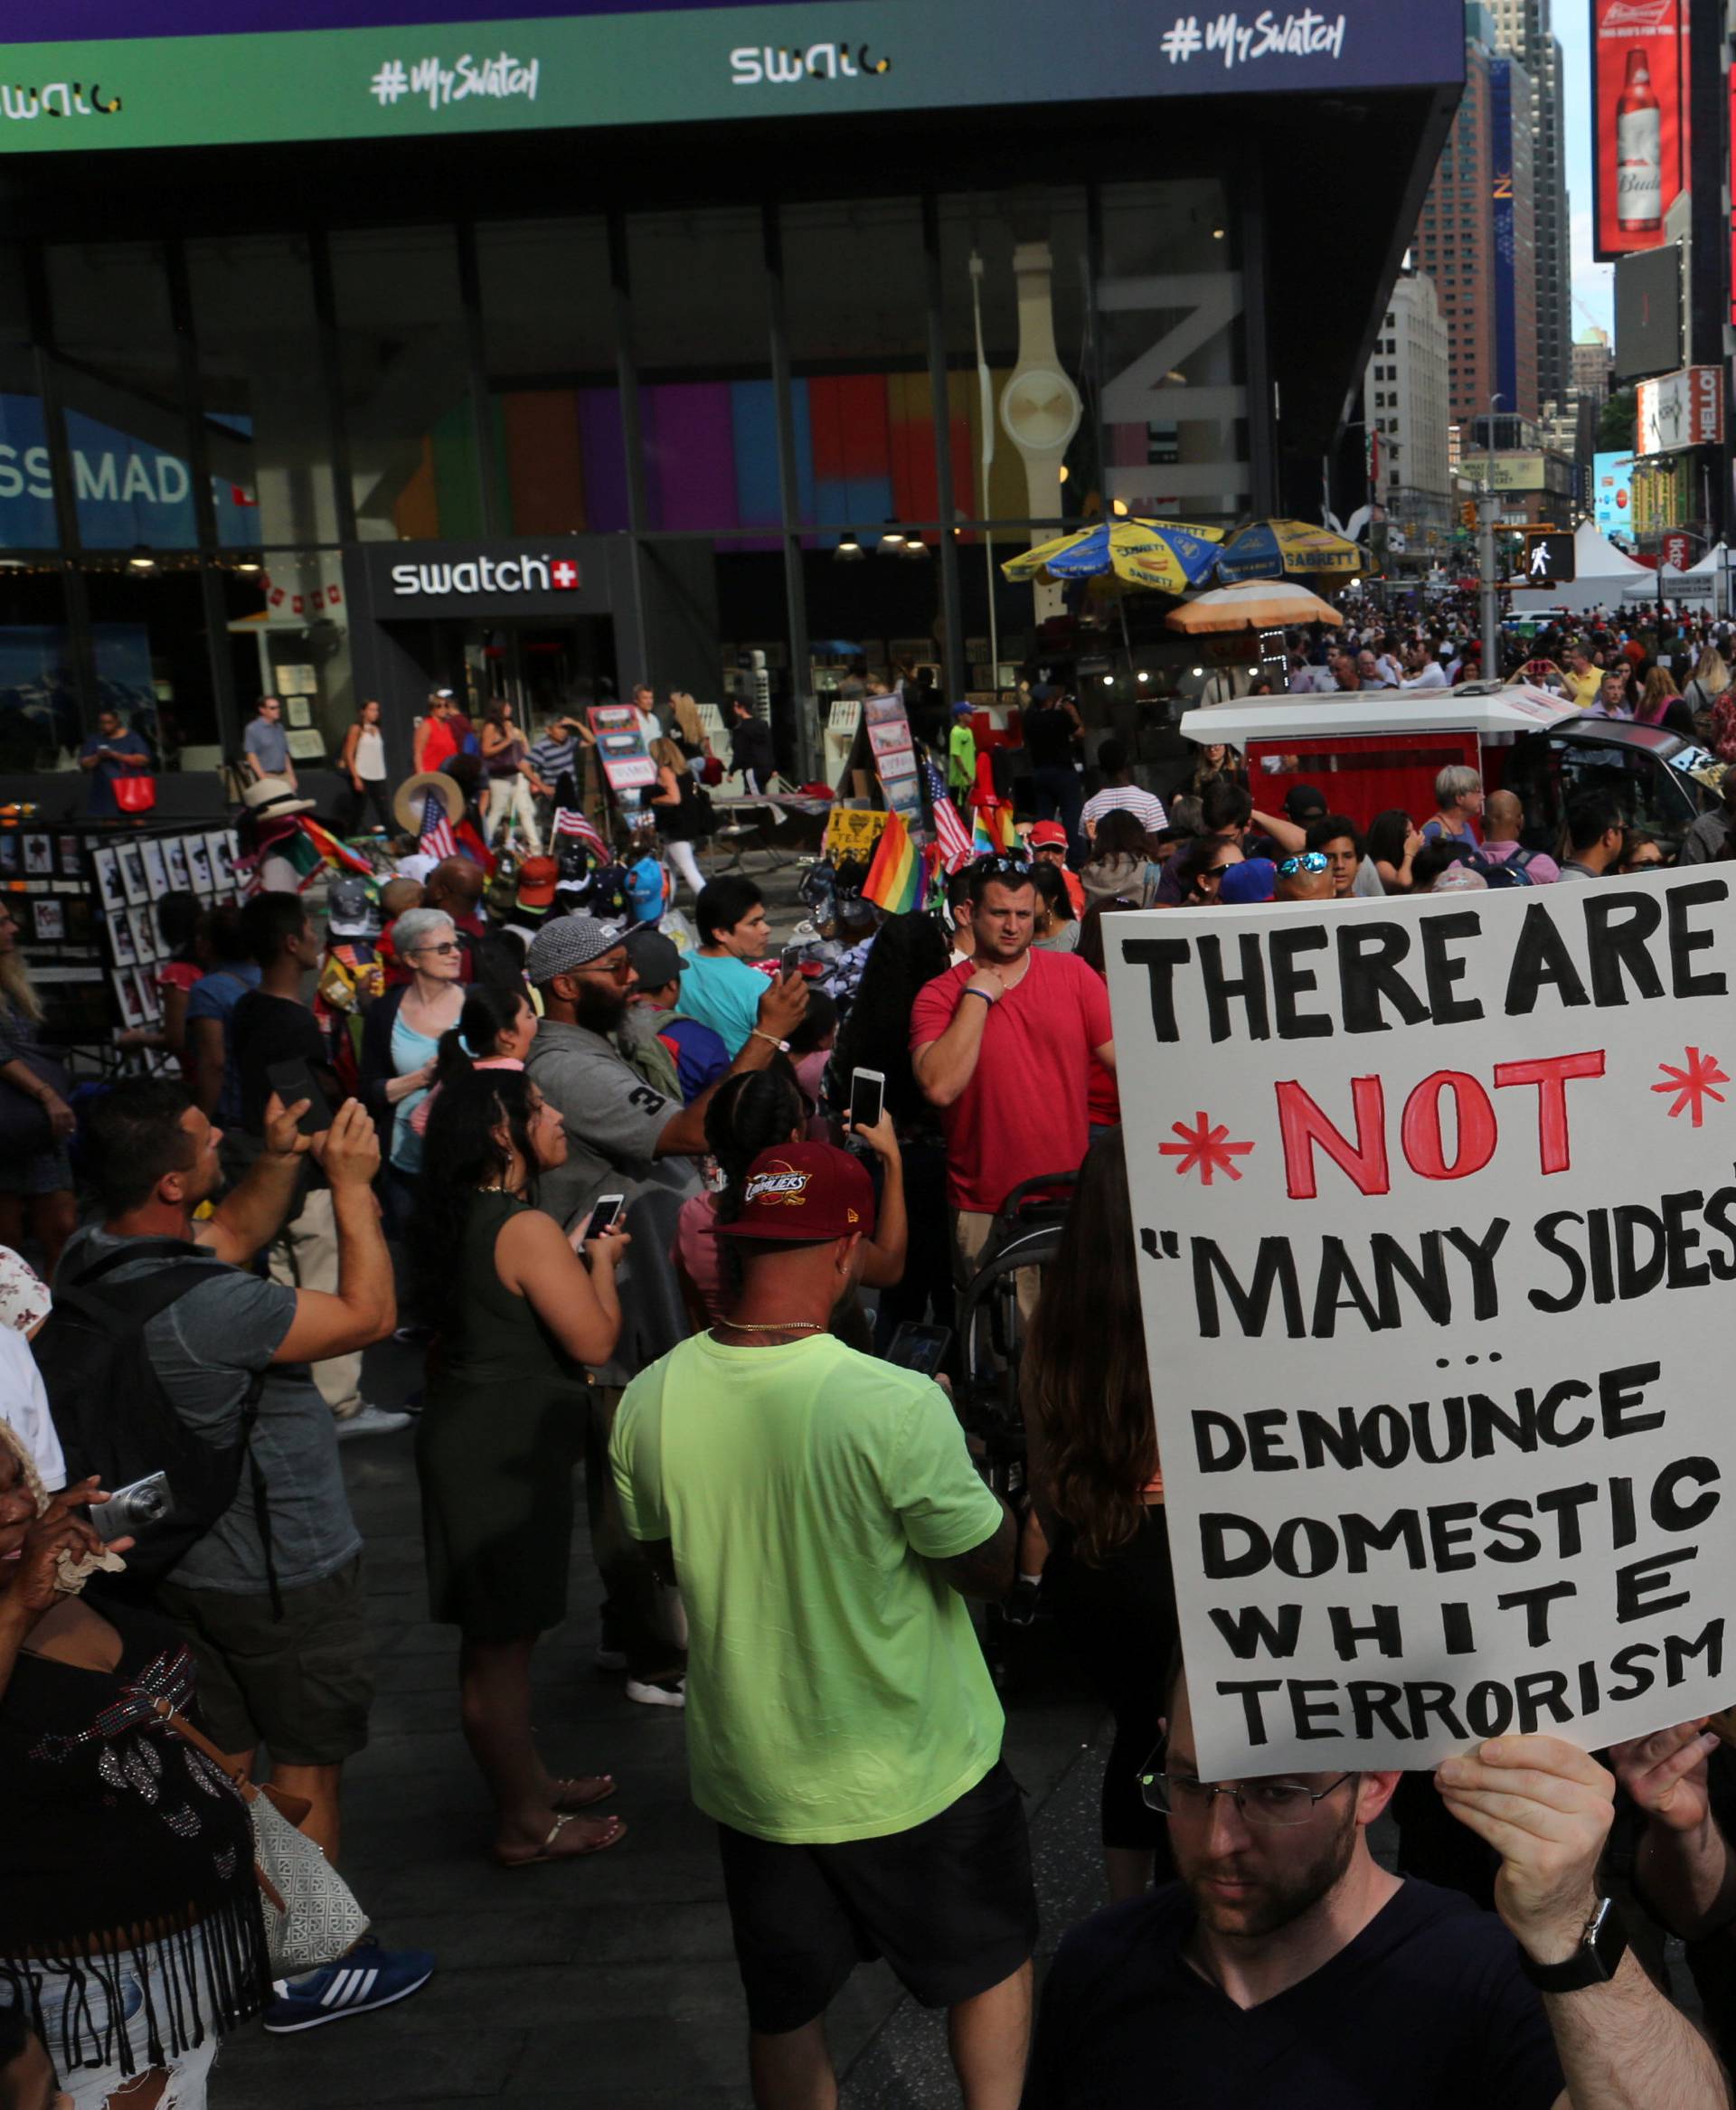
(1311, 881)
(1503, 817)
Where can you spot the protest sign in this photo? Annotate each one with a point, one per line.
(1436, 1224)
(852, 831)
(620, 746)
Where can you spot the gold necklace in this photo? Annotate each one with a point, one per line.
(777, 1326)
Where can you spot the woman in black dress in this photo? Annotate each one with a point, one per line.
(517, 1312)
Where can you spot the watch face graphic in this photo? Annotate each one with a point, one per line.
(1041, 408)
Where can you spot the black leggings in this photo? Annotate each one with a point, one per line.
(1119, 1621)
(373, 793)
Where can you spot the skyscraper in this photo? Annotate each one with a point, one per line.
(1521, 29)
(1477, 238)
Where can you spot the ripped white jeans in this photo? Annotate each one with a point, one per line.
(93, 2088)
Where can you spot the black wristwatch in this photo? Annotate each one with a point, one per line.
(1601, 1947)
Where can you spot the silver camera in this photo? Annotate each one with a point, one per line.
(129, 1511)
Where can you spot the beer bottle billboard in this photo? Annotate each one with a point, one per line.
(1639, 60)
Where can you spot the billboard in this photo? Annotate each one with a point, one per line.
(1505, 472)
(1681, 409)
(1648, 312)
(191, 72)
(1612, 495)
(1639, 120)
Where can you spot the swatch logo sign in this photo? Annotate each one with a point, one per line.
(487, 575)
(778, 66)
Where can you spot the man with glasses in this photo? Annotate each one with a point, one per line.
(268, 745)
(1287, 1970)
(1003, 1044)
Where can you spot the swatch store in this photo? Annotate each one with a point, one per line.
(692, 372)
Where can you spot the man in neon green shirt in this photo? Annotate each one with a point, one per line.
(961, 753)
(820, 1512)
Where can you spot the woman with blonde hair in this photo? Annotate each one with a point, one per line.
(1656, 698)
(690, 731)
(675, 798)
(35, 1121)
(1710, 682)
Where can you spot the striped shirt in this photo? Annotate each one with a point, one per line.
(1146, 804)
(550, 756)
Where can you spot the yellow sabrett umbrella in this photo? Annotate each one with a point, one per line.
(1258, 604)
(1280, 549)
(1167, 555)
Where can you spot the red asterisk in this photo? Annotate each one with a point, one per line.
(1692, 1084)
(1202, 1147)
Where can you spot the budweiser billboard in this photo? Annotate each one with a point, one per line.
(1639, 95)
(1681, 409)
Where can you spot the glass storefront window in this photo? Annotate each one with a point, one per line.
(406, 383)
(1170, 301)
(39, 707)
(266, 431)
(153, 657)
(118, 373)
(288, 636)
(549, 346)
(26, 495)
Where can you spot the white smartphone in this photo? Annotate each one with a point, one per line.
(867, 1097)
(604, 1215)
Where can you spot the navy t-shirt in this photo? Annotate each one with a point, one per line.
(1426, 2007)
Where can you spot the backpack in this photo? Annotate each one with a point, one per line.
(115, 1419)
(1504, 872)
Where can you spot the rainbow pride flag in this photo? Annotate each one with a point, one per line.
(993, 834)
(894, 881)
(331, 851)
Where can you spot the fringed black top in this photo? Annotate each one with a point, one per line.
(122, 1844)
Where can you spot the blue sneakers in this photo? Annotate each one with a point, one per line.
(367, 1977)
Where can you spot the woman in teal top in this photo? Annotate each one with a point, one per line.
(719, 988)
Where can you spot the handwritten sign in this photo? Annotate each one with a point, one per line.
(1436, 1205)
(853, 832)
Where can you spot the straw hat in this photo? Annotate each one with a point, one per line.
(411, 800)
(272, 798)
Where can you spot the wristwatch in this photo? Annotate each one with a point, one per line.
(1602, 1945)
(1040, 407)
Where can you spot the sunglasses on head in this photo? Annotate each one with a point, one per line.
(1019, 865)
(1305, 860)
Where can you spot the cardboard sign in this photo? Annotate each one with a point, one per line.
(620, 746)
(1436, 1223)
(853, 832)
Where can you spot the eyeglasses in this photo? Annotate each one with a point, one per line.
(1266, 1804)
(1305, 860)
(446, 948)
(619, 970)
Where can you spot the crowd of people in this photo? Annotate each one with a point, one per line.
(623, 1196)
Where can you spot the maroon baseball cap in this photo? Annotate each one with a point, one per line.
(804, 1192)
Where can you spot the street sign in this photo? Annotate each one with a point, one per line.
(1549, 558)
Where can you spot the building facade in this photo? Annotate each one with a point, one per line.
(1405, 400)
(344, 400)
(1476, 236)
(1592, 363)
(1522, 30)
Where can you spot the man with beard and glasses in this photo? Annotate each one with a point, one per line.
(618, 1125)
(1287, 1970)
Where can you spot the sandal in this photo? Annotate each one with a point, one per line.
(581, 1791)
(611, 1837)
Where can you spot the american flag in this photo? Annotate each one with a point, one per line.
(570, 821)
(436, 838)
(951, 832)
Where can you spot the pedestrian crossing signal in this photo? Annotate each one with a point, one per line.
(1549, 557)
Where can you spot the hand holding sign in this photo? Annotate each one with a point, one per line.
(1546, 1808)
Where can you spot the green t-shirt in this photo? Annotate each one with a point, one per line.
(835, 1689)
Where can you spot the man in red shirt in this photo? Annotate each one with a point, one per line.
(1002, 1045)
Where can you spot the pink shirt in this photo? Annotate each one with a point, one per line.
(699, 1251)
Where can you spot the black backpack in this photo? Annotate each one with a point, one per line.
(1504, 872)
(115, 1419)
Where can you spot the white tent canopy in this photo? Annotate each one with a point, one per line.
(1595, 556)
(1713, 560)
(1601, 571)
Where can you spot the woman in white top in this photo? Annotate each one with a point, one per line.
(365, 764)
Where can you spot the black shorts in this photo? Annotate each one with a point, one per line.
(949, 1904)
(301, 1685)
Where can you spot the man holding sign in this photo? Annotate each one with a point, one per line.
(1288, 1971)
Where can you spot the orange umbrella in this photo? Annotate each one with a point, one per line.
(1259, 604)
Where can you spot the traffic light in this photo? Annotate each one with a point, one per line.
(1549, 557)
(1467, 514)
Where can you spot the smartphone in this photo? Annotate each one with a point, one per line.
(133, 1509)
(919, 1348)
(294, 1081)
(794, 955)
(867, 1097)
(605, 1216)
